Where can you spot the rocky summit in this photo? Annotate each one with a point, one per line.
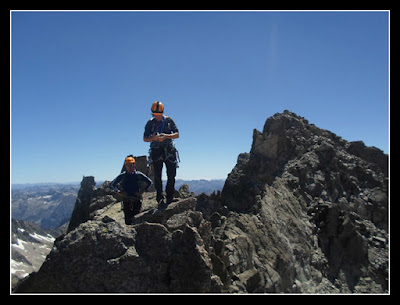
(304, 212)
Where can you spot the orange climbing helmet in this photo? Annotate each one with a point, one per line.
(130, 160)
(157, 108)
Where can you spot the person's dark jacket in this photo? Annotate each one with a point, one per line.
(167, 125)
(131, 183)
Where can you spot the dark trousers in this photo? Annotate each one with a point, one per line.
(171, 173)
(131, 208)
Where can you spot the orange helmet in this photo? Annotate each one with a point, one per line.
(130, 160)
(157, 108)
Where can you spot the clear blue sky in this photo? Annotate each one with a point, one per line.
(83, 84)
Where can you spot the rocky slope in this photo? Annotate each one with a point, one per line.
(313, 209)
(30, 244)
(304, 211)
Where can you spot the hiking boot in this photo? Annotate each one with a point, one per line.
(159, 198)
(162, 203)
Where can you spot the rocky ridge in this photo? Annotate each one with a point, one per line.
(304, 212)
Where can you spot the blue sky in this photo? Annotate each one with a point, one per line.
(83, 84)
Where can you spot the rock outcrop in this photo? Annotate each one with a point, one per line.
(163, 252)
(311, 208)
(304, 212)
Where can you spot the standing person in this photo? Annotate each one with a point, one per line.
(129, 185)
(160, 130)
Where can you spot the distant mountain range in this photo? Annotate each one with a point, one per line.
(48, 205)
